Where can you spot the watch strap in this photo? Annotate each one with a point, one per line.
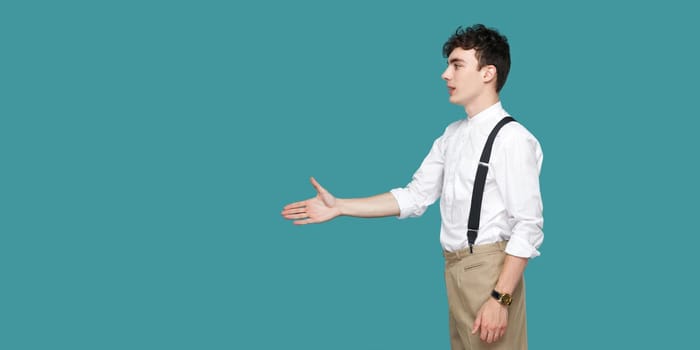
(502, 298)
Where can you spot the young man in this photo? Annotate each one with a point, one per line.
(485, 288)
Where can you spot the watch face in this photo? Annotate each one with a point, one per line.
(506, 299)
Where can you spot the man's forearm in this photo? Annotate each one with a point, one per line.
(513, 269)
(369, 207)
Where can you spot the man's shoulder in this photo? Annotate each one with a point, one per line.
(515, 135)
(516, 130)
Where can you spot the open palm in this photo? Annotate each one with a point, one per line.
(313, 210)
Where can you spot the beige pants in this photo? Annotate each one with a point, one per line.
(470, 278)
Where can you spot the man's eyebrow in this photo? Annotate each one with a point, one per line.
(454, 59)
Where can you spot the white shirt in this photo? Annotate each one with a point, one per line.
(512, 204)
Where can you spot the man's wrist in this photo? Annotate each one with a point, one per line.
(504, 299)
(503, 289)
(340, 205)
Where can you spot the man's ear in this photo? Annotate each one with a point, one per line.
(488, 73)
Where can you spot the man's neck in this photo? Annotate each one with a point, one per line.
(485, 101)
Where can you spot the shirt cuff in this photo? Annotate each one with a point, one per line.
(404, 199)
(521, 248)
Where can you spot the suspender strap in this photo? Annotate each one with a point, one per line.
(479, 182)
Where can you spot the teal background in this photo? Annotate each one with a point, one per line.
(148, 147)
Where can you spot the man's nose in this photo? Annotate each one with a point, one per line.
(446, 75)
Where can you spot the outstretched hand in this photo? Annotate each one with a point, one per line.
(313, 210)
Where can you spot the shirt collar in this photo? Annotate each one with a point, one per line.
(489, 116)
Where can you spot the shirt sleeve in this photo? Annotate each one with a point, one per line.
(517, 168)
(426, 185)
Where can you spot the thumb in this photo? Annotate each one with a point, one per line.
(477, 323)
(317, 186)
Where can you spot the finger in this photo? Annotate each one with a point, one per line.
(477, 323)
(297, 216)
(484, 334)
(295, 205)
(317, 186)
(294, 211)
(491, 337)
(289, 214)
(304, 221)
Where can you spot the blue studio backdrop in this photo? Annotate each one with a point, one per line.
(147, 149)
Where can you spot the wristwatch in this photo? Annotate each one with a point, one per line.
(503, 298)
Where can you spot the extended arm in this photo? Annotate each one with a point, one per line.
(325, 207)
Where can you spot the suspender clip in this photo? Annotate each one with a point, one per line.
(471, 238)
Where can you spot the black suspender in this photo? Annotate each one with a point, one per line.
(479, 182)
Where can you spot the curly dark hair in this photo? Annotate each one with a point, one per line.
(491, 48)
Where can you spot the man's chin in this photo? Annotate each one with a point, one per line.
(453, 100)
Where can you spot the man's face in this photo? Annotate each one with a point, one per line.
(465, 82)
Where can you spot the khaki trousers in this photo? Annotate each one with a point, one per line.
(470, 278)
